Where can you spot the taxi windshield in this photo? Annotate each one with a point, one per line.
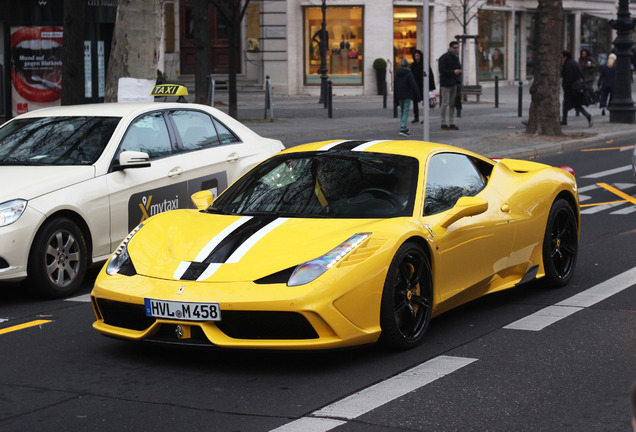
(325, 184)
(55, 140)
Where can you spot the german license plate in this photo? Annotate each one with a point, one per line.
(183, 310)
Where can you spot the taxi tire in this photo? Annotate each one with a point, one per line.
(407, 298)
(560, 244)
(58, 259)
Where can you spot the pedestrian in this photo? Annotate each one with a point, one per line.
(574, 89)
(417, 67)
(606, 82)
(450, 73)
(589, 68)
(405, 90)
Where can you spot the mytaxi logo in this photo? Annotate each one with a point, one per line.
(144, 205)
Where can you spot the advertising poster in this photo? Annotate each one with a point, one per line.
(36, 67)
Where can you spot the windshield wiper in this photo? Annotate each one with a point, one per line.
(214, 210)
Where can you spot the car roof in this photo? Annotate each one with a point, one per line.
(108, 109)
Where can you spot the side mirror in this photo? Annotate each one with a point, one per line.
(202, 199)
(465, 206)
(132, 159)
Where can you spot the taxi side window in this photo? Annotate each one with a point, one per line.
(148, 134)
(225, 135)
(450, 176)
(196, 130)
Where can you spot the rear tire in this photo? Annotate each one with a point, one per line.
(58, 259)
(407, 298)
(560, 244)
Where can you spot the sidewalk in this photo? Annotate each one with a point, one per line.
(490, 131)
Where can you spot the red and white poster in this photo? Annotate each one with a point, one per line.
(36, 67)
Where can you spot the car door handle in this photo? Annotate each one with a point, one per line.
(232, 157)
(175, 172)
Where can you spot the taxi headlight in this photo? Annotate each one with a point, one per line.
(120, 257)
(309, 271)
(11, 211)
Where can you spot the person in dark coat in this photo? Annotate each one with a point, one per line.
(417, 67)
(570, 75)
(606, 82)
(589, 68)
(450, 76)
(406, 89)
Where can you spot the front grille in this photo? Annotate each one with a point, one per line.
(265, 325)
(167, 335)
(125, 315)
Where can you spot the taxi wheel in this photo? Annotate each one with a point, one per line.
(560, 244)
(58, 259)
(407, 298)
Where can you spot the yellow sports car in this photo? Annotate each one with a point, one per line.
(340, 243)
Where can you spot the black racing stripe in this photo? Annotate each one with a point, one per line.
(195, 269)
(347, 145)
(222, 252)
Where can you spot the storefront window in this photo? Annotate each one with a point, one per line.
(491, 45)
(404, 34)
(344, 45)
(596, 37)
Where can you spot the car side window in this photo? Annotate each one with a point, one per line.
(450, 176)
(149, 134)
(196, 130)
(226, 136)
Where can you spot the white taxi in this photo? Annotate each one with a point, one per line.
(75, 180)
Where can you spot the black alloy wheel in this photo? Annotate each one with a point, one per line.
(560, 244)
(407, 299)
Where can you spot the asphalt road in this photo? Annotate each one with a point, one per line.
(486, 366)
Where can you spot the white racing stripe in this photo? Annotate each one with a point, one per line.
(250, 242)
(220, 237)
(332, 145)
(363, 147)
(551, 314)
(377, 395)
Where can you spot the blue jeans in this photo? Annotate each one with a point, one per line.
(405, 105)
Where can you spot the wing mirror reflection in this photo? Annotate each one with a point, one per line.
(465, 206)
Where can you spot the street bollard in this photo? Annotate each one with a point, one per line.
(496, 91)
(395, 107)
(384, 95)
(330, 99)
(269, 105)
(520, 98)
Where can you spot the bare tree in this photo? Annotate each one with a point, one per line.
(73, 52)
(464, 11)
(233, 11)
(135, 47)
(544, 106)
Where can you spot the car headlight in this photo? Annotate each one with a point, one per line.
(11, 211)
(120, 258)
(309, 271)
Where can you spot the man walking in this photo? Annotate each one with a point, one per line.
(405, 90)
(450, 70)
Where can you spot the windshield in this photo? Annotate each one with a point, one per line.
(55, 140)
(325, 184)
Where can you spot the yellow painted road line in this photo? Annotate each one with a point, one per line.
(608, 148)
(23, 326)
(600, 204)
(618, 192)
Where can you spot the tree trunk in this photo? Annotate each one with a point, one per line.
(73, 52)
(135, 47)
(202, 66)
(545, 118)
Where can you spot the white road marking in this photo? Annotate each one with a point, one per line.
(86, 298)
(608, 172)
(551, 314)
(377, 395)
(600, 208)
(625, 211)
(4, 320)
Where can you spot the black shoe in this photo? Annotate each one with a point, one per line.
(445, 127)
(453, 127)
(590, 120)
(564, 123)
(405, 133)
(603, 111)
(415, 121)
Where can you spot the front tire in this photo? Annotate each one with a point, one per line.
(560, 244)
(407, 298)
(58, 259)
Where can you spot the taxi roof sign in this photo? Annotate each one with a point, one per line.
(169, 90)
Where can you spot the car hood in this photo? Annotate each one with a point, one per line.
(29, 182)
(243, 248)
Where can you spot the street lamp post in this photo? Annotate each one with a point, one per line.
(323, 55)
(622, 108)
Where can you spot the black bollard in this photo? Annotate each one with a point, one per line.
(395, 108)
(384, 95)
(520, 98)
(496, 91)
(330, 99)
